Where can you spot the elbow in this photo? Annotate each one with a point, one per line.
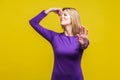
(31, 22)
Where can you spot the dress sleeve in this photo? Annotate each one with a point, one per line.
(34, 22)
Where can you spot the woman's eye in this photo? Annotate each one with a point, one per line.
(65, 14)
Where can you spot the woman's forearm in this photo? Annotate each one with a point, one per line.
(34, 22)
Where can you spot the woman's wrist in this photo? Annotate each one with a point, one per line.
(47, 11)
(83, 45)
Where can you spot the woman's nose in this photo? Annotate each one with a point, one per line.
(61, 16)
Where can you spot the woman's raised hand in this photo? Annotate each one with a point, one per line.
(55, 10)
(83, 36)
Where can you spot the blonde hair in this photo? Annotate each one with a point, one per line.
(75, 19)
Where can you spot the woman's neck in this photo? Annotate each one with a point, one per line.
(68, 31)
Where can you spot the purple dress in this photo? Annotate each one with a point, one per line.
(67, 51)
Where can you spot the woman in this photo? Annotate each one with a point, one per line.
(68, 46)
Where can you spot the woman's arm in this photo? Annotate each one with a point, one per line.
(83, 37)
(84, 46)
(34, 22)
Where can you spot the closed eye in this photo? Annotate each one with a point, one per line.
(65, 14)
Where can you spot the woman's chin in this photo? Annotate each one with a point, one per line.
(63, 24)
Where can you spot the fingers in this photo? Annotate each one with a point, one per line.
(86, 31)
(59, 12)
(56, 10)
(78, 35)
(83, 30)
(80, 30)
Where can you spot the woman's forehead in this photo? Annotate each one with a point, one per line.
(65, 12)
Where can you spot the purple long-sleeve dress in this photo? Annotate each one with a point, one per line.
(67, 51)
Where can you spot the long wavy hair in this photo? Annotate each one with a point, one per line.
(75, 19)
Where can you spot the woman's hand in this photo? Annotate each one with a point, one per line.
(83, 36)
(55, 10)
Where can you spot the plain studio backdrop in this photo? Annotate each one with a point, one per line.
(25, 55)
